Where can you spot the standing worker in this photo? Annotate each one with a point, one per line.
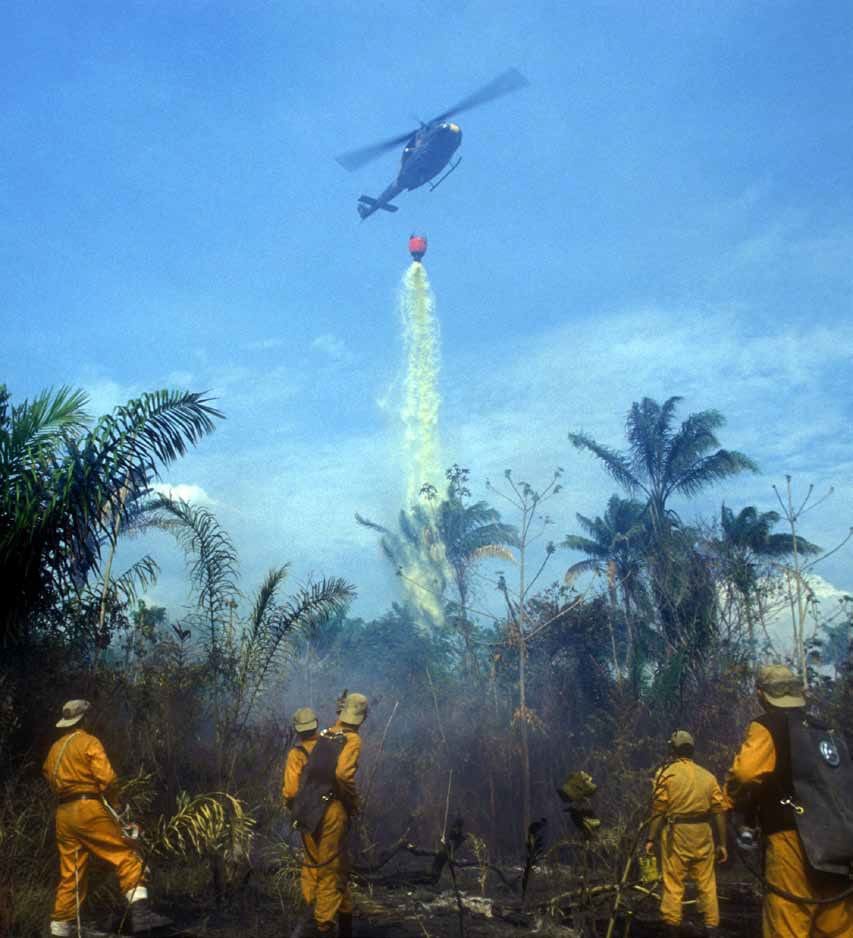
(797, 775)
(320, 790)
(686, 799)
(80, 775)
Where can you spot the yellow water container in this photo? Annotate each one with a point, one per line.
(649, 869)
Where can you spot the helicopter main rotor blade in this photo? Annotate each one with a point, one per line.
(510, 80)
(353, 159)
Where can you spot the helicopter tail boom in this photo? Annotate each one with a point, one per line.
(367, 206)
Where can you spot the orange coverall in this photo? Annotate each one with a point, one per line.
(85, 827)
(785, 863)
(325, 872)
(685, 789)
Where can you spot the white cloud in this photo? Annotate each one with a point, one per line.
(105, 395)
(331, 345)
(179, 379)
(825, 609)
(263, 345)
(184, 492)
(296, 474)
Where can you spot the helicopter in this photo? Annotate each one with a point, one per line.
(429, 149)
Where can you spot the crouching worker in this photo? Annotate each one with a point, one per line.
(319, 789)
(80, 775)
(686, 800)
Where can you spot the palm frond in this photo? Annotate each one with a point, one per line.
(306, 610)
(136, 579)
(709, 469)
(492, 551)
(586, 546)
(782, 545)
(207, 824)
(210, 553)
(582, 566)
(614, 462)
(367, 523)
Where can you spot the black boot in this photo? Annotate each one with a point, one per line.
(345, 925)
(304, 925)
(142, 919)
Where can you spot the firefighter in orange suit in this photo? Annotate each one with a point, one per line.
(80, 775)
(325, 873)
(686, 801)
(759, 776)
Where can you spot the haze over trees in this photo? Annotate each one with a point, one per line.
(535, 655)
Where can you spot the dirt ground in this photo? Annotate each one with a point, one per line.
(433, 912)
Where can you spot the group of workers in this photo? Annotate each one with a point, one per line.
(319, 789)
(774, 764)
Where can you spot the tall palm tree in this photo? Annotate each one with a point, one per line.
(442, 543)
(662, 461)
(470, 533)
(745, 545)
(68, 484)
(616, 545)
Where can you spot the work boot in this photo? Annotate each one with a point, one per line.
(142, 918)
(301, 928)
(306, 927)
(69, 930)
(712, 931)
(345, 925)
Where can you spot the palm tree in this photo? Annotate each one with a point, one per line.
(67, 487)
(662, 461)
(444, 542)
(746, 543)
(616, 546)
(470, 533)
(243, 653)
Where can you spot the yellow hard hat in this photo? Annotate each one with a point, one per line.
(781, 687)
(73, 712)
(354, 709)
(304, 719)
(681, 738)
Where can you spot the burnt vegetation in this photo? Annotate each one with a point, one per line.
(557, 644)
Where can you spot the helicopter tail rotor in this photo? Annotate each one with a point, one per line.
(367, 206)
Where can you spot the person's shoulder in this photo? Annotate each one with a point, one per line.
(707, 774)
(88, 741)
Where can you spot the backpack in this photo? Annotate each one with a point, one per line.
(317, 784)
(822, 776)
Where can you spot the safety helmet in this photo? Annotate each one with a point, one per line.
(304, 719)
(681, 738)
(73, 712)
(781, 687)
(354, 710)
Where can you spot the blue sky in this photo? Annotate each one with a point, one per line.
(666, 209)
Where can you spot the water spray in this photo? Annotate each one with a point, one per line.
(421, 398)
(426, 569)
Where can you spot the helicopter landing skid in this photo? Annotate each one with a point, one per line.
(435, 185)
